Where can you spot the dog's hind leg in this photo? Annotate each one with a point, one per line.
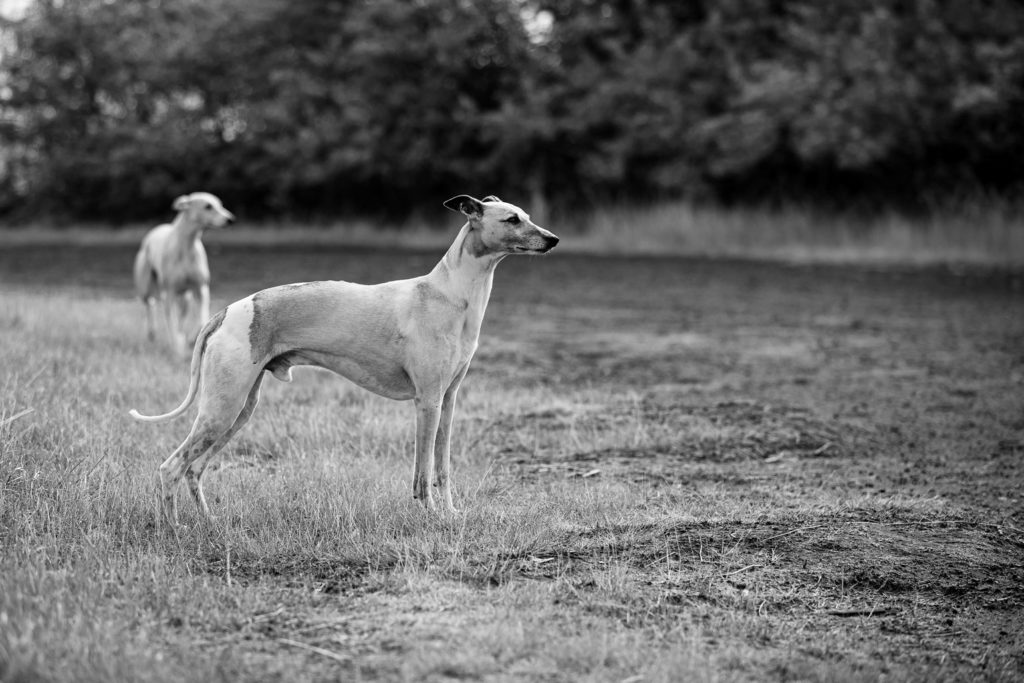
(201, 438)
(224, 393)
(194, 474)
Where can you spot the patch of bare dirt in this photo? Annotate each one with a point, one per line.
(927, 586)
(318, 573)
(686, 436)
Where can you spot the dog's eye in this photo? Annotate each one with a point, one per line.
(209, 207)
(514, 220)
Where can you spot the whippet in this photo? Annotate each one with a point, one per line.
(404, 339)
(171, 267)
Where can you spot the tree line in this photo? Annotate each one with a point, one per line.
(328, 107)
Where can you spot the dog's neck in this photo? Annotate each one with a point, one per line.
(467, 269)
(188, 231)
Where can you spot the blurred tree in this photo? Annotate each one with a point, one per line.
(372, 105)
(101, 112)
(109, 109)
(881, 101)
(611, 91)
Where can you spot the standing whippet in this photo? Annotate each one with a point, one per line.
(171, 266)
(405, 339)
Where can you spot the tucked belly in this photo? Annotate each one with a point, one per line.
(380, 376)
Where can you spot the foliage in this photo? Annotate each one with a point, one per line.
(109, 109)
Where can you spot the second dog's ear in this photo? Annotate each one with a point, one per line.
(490, 198)
(181, 203)
(471, 207)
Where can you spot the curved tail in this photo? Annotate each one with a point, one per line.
(193, 382)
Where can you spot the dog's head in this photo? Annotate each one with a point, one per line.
(204, 209)
(502, 228)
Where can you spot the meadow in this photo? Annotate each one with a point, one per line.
(669, 469)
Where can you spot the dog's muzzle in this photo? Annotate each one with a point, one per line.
(549, 243)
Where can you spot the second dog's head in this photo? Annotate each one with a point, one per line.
(503, 228)
(204, 209)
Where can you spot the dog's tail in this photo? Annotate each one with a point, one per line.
(193, 382)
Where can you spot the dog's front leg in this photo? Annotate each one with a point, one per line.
(204, 307)
(197, 313)
(428, 413)
(442, 445)
(172, 314)
(150, 304)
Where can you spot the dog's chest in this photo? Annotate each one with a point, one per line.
(188, 282)
(186, 270)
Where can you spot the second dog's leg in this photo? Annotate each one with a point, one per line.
(150, 304)
(197, 315)
(204, 306)
(147, 287)
(194, 474)
(172, 315)
(186, 304)
(428, 413)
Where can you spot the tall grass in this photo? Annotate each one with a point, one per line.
(975, 232)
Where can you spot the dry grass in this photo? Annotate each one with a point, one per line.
(973, 235)
(638, 504)
(976, 234)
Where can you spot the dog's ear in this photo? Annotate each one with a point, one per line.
(471, 207)
(490, 198)
(181, 203)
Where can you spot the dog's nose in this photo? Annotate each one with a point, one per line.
(552, 240)
(231, 219)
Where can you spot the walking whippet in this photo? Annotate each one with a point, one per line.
(404, 339)
(171, 267)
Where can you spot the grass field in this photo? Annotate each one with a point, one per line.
(669, 469)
